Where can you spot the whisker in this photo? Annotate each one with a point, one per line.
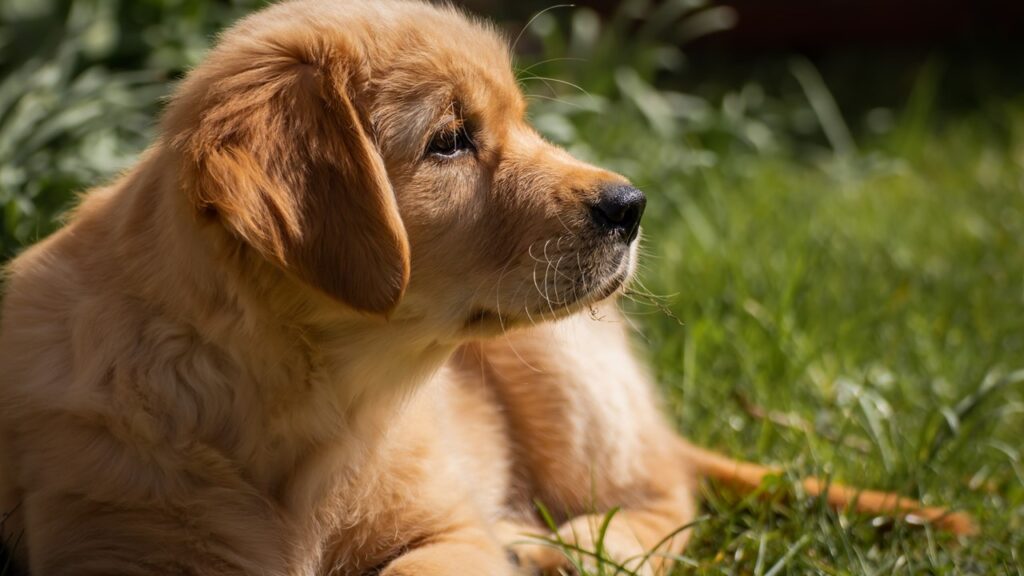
(546, 80)
(569, 232)
(561, 302)
(559, 100)
(659, 303)
(548, 61)
(504, 329)
(546, 268)
(535, 284)
(519, 36)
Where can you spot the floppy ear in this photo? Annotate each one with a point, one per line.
(277, 151)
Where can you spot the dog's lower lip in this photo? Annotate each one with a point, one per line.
(608, 288)
(593, 296)
(482, 317)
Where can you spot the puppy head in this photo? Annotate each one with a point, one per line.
(379, 153)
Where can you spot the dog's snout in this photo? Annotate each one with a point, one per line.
(618, 210)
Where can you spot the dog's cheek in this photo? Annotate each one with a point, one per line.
(443, 207)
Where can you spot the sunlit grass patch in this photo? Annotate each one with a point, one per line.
(859, 318)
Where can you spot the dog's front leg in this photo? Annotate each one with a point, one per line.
(591, 439)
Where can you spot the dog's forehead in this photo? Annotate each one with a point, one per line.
(463, 55)
(437, 58)
(405, 53)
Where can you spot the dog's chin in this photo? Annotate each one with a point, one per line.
(483, 322)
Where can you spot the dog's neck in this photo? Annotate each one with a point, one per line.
(308, 378)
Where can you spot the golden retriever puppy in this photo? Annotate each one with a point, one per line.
(269, 347)
(218, 365)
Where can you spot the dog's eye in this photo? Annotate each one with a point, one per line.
(450, 142)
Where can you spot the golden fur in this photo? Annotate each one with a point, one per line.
(275, 346)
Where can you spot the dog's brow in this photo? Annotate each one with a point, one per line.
(446, 121)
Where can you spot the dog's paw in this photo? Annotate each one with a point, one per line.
(452, 559)
(575, 548)
(540, 560)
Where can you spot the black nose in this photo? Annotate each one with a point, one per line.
(618, 210)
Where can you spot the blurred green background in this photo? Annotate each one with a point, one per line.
(834, 245)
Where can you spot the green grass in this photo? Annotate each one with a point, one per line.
(859, 317)
(844, 303)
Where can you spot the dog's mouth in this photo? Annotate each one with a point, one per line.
(484, 319)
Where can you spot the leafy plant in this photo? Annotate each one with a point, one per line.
(80, 84)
